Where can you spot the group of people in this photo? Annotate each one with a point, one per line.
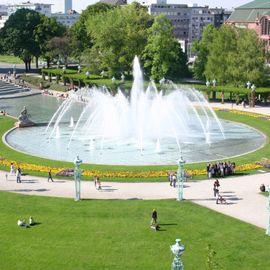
(22, 223)
(220, 169)
(172, 178)
(17, 172)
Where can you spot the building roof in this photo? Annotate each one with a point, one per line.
(250, 11)
(257, 4)
(114, 2)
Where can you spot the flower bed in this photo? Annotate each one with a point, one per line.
(65, 172)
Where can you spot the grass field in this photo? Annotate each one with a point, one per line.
(101, 234)
(10, 59)
(258, 123)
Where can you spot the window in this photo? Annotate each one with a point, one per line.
(265, 26)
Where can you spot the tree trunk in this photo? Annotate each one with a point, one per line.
(25, 63)
(36, 62)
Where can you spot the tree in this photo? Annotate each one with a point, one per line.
(44, 32)
(80, 38)
(60, 47)
(201, 48)
(248, 62)
(17, 35)
(222, 50)
(118, 35)
(163, 56)
(235, 56)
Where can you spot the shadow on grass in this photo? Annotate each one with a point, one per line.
(168, 224)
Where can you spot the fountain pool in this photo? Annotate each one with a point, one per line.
(149, 127)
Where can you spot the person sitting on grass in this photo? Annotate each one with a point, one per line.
(21, 223)
(31, 221)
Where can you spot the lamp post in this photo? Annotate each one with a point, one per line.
(14, 70)
(177, 250)
(180, 178)
(77, 178)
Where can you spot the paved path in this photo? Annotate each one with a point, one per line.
(242, 193)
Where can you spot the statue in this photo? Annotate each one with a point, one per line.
(24, 119)
(77, 178)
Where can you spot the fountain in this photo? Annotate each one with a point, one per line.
(146, 127)
(147, 119)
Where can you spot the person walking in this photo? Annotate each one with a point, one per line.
(154, 217)
(18, 175)
(50, 176)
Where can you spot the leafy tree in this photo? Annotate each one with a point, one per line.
(44, 32)
(80, 38)
(17, 35)
(235, 56)
(201, 48)
(163, 56)
(222, 50)
(118, 35)
(60, 47)
(248, 62)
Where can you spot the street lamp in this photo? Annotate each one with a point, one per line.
(14, 70)
(180, 178)
(268, 208)
(177, 250)
(77, 178)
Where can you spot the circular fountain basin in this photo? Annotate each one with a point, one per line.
(239, 140)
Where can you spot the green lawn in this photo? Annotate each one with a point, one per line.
(10, 59)
(258, 123)
(101, 234)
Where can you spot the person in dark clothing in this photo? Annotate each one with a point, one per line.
(154, 217)
(50, 176)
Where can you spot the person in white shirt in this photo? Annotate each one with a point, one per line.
(21, 223)
(31, 221)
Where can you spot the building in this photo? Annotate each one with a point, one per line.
(188, 21)
(42, 8)
(68, 18)
(253, 15)
(3, 10)
(62, 6)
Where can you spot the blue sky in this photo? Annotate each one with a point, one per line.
(82, 4)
